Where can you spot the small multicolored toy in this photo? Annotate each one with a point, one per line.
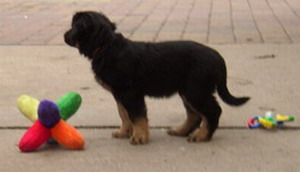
(49, 121)
(269, 121)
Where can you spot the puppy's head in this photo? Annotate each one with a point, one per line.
(90, 31)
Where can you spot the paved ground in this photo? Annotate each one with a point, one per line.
(209, 21)
(259, 40)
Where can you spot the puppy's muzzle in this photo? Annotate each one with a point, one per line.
(69, 40)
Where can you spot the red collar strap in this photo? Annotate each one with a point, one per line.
(96, 50)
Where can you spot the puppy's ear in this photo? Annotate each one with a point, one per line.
(113, 26)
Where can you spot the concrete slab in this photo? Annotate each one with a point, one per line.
(267, 73)
(231, 150)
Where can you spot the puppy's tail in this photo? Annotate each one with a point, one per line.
(224, 92)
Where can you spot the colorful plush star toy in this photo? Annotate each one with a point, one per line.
(49, 121)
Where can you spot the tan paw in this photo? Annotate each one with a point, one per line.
(199, 135)
(139, 138)
(177, 132)
(121, 134)
(193, 138)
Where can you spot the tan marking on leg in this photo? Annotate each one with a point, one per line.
(202, 133)
(191, 123)
(140, 133)
(125, 130)
(185, 128)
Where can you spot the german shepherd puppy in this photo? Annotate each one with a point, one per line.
(131, 70)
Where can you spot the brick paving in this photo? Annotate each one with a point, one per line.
(38, 22)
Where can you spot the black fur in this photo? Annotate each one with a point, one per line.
(132, 70)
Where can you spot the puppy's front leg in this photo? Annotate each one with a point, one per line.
(135, 106)
(140, 133)
(125, 130)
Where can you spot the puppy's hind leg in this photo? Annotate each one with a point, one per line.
(192, 121)
(125, 130)
(210, 113)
